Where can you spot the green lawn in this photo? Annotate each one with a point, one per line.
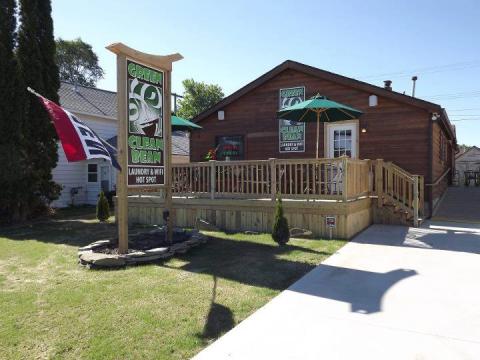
(53, 308)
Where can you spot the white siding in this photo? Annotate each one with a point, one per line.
(74, 174)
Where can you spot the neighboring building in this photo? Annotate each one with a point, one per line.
(468, 160)
(412, 133)
(98, 109)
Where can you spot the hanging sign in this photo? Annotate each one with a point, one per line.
(291, 133)
(145, 125)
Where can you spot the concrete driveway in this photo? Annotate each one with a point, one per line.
(391, 293)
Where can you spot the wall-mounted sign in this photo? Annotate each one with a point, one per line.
(145, 136)
(291, 134)
(331, 221)
(230, 148)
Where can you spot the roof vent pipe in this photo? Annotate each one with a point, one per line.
(388, 84)
(414, 79)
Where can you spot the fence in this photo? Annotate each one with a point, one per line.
(334, 179)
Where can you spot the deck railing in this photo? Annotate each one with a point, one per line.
(400, 188)
(336, 179)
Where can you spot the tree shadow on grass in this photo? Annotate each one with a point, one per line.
(219, 318)
(73, 232)
(248, 262)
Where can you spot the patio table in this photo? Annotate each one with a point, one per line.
(472, 175)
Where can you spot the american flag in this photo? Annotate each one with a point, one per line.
(78, 140)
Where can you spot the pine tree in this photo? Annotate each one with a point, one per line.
(280, 231)
(10, 115)
(103, 209)
(36, 59)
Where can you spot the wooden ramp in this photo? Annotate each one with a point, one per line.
(459, 204)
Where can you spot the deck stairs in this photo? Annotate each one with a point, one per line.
(399, 195)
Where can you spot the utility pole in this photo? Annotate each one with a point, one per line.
(175, 96)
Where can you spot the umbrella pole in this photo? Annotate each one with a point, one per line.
(318, 129)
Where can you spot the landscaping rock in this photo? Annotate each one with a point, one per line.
(201, 224)
(149, 258)
(157, 251)
(135, 254)
(180, 248)
(95, 245)
(102, 260)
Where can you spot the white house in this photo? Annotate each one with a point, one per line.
(469, 160)
(82, 181)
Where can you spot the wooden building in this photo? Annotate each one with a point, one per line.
(412, 133)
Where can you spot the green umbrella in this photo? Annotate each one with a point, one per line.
(179, 123)
(319, 108)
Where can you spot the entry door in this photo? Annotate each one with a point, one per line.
(342, 140)
(105, 178)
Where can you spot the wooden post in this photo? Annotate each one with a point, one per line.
(160, 64)
(213, 178)
(273, 178)
(415, 200)
(318, 134)
(345, 178)
(122, 192)
(379, 181)
(421, 196)
(167, 133)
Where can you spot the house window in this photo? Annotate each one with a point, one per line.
(92, 172)
(230, 148)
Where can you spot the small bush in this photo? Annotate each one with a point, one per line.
(280, 232)
(103, 209)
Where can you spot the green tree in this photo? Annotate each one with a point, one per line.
(10, 115)
(77, 62)
(280, 231)
(36, 60)
(103, 209)
(198, 97)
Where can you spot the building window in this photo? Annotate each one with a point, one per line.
(342, 143)
(230, 148)
(92, 172)
(443, 147)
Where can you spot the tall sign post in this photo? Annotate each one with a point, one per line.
(144, 129)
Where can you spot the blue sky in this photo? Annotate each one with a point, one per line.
(232, 43)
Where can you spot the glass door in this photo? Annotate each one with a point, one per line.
(342, 140)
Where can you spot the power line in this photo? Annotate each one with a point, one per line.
(428, 70)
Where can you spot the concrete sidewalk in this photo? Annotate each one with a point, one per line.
(392, 293)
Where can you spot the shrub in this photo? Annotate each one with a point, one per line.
(280, 232)
(103, 210)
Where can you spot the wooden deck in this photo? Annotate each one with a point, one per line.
(240, 195)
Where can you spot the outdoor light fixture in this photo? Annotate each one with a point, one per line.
(364, 127)
(221, 115)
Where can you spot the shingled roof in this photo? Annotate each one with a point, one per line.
(103, 103)
(88, 100)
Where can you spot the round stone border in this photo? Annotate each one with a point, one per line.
(90, 256)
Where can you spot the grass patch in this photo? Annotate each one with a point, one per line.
(53, 308)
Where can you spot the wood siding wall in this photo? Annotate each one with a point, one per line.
(395, 131)
(439, 166)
